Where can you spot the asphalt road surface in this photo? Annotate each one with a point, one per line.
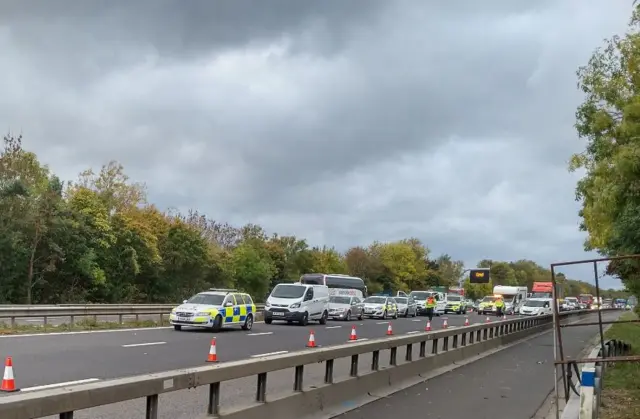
(65, 358)
(512, 383)
(56, 321)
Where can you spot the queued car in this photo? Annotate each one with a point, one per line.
(342, 307)
(536, 307)
(406, 306)
(381, 307)
(215, 309)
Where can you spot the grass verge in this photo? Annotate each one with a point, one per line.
(81, 325)
(621, 393)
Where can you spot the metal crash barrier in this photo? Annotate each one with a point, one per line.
(435, 349)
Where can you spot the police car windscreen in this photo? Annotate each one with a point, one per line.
(488, 299)
(208, 299)
(288, 291)
(340, 300)
(375, 300)
(453, 297)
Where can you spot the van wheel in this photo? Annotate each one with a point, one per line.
(384, 315)
(177, 327)
(305, 319)
(217, 323)
(348, 317)
(360, 317)
(323, 318)
(248, 323)
(268, 321)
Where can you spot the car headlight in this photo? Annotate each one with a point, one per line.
(379, 307)
(202, 313)
(294, 305)
(267, 304)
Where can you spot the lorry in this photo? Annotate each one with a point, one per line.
(513, 297)
(542, 290)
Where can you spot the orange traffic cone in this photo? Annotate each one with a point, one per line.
(353, 333)
(312, 340)
(389, 330)
(8, 381)
(466, 321)
(488, 320)
(445, 324)
(213, 356)
(428, 326)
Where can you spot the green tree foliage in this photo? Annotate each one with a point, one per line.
(98, 240)
(609, 121)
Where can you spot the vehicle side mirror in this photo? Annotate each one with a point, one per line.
(184, 301)
(353, 303)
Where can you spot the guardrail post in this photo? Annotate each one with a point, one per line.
(71, 320)
(214, 399)
(354, 366)
(261, 390)
(328, 371)
(120, 318)
(13, 322)
(45, 321)
(152, 407)
(298, 378)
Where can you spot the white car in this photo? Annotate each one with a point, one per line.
(536, 307)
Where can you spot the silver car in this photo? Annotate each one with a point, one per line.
(406, 306)
(345, 307)
(378, 306)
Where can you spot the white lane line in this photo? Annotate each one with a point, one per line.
(82, 332)
(416, 320)
(134, 345)
(358, 340)
(413, 333)
(269, 354)
(68, 383)
(333, 327)
(260, 334)
(382, 322)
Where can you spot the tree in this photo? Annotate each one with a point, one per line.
(609, 121)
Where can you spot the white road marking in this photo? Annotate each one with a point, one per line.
(269, 354)
(416, 320)
(382, 322)
(68, 383)
(333, 327)
(134, 345)
(358, 340)
(35, 320)
(260, 334)
(413, 333)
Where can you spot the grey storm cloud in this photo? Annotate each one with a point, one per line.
(340, 121)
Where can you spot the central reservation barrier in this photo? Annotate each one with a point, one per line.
(436, 349)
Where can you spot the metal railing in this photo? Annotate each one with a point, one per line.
(436, 349)
(91, 310)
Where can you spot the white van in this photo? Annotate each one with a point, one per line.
(297, 303)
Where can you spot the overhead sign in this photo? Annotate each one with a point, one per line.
(479, 276)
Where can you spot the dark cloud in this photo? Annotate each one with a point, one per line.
(340, 121)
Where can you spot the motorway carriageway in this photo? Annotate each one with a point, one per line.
(54, 358)
(51, 360)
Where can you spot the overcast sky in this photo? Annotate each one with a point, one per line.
(340, 121)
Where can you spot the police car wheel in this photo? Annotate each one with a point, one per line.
(217, 323)
(347, 318)
(360, 317)
(268, 321)
(177, 327)
(248, 323)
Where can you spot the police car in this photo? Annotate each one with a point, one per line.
(215, 309)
